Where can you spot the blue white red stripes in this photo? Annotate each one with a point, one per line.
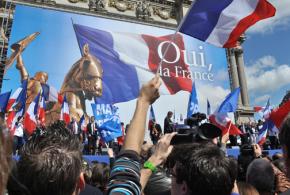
(222, 22)
(51, 94)
(41, 112)
(220, 117)
(64, 114)
(30, 121)
(83, 124)
(130, 60)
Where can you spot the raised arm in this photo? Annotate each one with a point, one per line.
(135, 134)
(20, 66)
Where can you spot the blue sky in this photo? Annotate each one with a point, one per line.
(267, 57)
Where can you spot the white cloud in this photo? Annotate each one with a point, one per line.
(261, 99)
(215, 95)
(221, 75)
(280, 20)
(265, 75)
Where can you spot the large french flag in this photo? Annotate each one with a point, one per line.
(130, 60)
(222, 22)
(64, 114)
(30, 121)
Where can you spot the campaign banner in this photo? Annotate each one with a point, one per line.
(91, 59)
(108, 121)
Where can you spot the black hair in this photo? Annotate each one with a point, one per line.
(51, 161)
(100, 176)
(260, 174)
(204, 168)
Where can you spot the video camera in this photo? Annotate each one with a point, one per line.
(194, 131)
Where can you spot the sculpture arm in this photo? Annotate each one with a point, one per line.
(20, 66)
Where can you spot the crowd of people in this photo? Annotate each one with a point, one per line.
(50, 162)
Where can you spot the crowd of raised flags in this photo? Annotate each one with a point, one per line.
(14, 106)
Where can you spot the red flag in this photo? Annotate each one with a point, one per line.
(279, 114)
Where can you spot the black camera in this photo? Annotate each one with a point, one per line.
(193, 131)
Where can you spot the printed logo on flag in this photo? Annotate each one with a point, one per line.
(108, 121)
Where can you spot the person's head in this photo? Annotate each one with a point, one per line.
(280, 164)
(247, 189)
(260, 174)
(51, 162)
(100, 175)
(201, 169)
(42, 77)
(284, 137)
(92, 119)
(169, 114)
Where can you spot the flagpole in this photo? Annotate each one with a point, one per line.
(174, 37)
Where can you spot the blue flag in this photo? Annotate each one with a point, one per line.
(208, 108)
(108, 120)
(230, 104)
(4, 98)
(193, 102)
(152, 114)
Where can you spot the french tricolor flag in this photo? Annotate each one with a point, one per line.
(41, 111)
(220, 117)
(51, 94)
(64, 114)
(30, 121)
(15, 96)
(222, 22)
(267, 126)
(130, 60)
(17, 108)
(83, 124)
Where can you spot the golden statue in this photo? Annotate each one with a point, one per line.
(82, 82)
(34, 83)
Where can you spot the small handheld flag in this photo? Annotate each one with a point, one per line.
(193, 102)
(64, 115)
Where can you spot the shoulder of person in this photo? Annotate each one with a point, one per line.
(287, 192)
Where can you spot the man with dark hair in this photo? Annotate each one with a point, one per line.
(201, 169)
(51, 163)
(260, 174)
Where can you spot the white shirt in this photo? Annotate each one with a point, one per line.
(75, 128)
(19, 130)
